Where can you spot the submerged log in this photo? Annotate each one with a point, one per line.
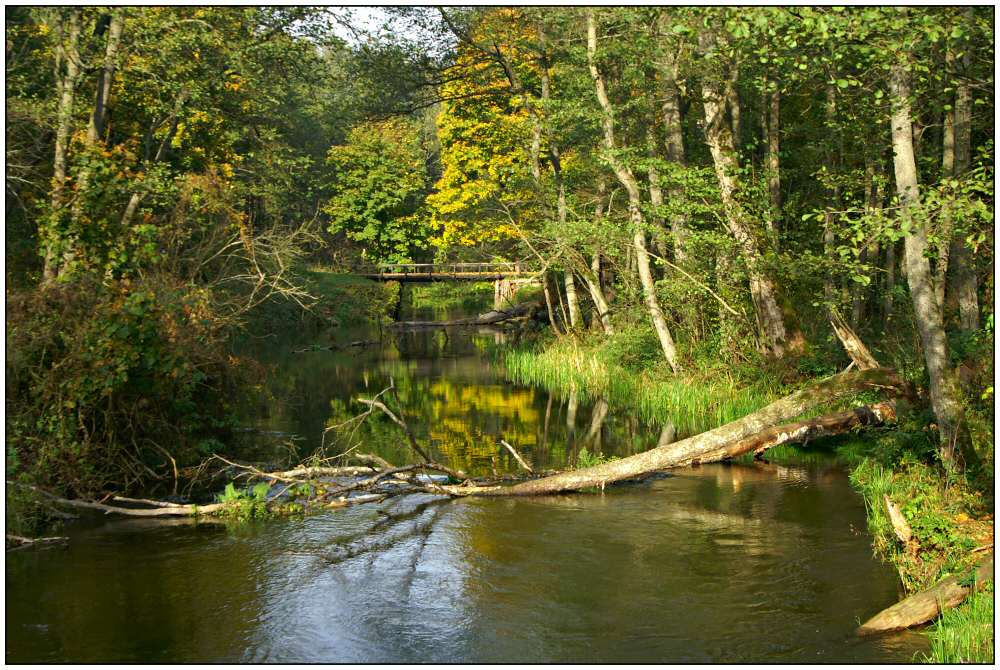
(927, 605)
(520, 311)
(696, 448)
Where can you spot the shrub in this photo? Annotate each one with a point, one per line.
(113, 384)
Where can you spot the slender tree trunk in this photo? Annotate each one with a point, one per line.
(926, 308)
(628, 180)
(829, 220)
(674, 131)
(67, 51)
(99, 117)
(733, 102)
(592, 279)
(948, 172)
(98, 120)
(548, 305)
(774, 161)
(719, 137)
(890, 280)
(964, 270)
(575, 320)
(655, 194)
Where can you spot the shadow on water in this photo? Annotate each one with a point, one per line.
(723, 563)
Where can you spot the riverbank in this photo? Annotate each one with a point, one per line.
(952, 519)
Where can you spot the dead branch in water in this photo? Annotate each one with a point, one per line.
(15, 542)
(517, 456)
(928, 605)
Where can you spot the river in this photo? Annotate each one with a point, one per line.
(723, 563)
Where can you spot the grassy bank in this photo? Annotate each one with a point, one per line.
(598, 367)
(952, 525)
(951, 518)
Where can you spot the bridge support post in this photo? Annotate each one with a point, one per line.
(501, 293)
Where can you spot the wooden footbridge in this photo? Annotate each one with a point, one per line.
(507, 278)
(432, 272)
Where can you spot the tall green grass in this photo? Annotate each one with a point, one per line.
(965, 634)
(693, 404)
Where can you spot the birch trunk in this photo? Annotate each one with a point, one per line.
(628, 180)
(926, 308)
(98, 119)
(67, 51)
(719, 137)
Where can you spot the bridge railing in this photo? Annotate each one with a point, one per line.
(427, 269)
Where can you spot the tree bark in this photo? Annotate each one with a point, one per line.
(697, 447)
(99, 117)
(575, 320)
(719, 137)
(628, 180)
(833, 195)
(774, 161)
(926, 308)
(593, 281)
(964, 272)
(674, 132)
(98, 120)
(655, 194)
(926, 605)
(67, 51)
(890, 280)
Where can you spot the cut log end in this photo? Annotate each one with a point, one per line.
(924, 607)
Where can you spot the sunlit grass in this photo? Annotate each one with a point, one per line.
(965, 634)
(693, 404)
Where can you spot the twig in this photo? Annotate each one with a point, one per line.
(399, 421)
(517, 456)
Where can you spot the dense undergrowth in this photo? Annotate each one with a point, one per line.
(117, 386)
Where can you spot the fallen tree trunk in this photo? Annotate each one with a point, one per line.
(799, 432)
(15, 542)
(697, 447)
(927, 605)
(494, 316)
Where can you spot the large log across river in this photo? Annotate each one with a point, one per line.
(717, 444)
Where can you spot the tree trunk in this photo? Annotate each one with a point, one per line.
(719, 137)
(774, 162)
(890, 280)
(593, 281)
(655, 194)
(649, 295)
(628, 180)
(833, 194)
(99, 117)
(926, 308)
(575, 320)
(733, 102)
(67, 51)
(963, 262)
(947, 172)
(674, 131)
(927, 605)
(700, 446)
(548, 305)
(98, 120)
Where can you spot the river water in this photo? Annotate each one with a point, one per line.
(723, 563)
